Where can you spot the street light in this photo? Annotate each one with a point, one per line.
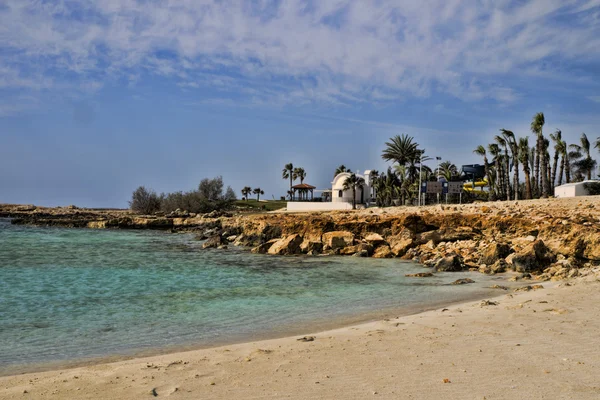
(421, 159)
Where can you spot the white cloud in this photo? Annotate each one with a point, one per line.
(333, 51)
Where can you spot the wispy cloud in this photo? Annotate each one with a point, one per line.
(594, 98)
(338, 52)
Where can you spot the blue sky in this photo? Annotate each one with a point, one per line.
(99, 97)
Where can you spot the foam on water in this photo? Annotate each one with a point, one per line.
(74, 294)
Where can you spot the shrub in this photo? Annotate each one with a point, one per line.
(592, 188)
(144, 201)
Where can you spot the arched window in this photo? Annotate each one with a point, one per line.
(341, 193)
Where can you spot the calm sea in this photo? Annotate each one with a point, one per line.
(71, 295)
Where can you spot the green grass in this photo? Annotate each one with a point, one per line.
(269, 205)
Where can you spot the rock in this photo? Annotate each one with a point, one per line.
(450, 263)
(533, 258)
(420, 275)
(498, 287)
(361, 253)
(383, 252)
(231, 238)
(314, 247)
(374, 238)
(338, 239)
(416, 224)
(494, 252)
(213, 242)
(287, 246)
(399, 248)
(463, 281)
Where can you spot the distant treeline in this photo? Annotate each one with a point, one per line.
(209, 196)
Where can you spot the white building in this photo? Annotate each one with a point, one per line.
(363, 195)
(572, 189)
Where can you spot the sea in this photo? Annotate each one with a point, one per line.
(75, 296)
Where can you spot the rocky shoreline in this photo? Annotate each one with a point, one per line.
(545, 239)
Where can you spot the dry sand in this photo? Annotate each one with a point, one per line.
(542, 344)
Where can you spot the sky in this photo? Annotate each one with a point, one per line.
(100, 97)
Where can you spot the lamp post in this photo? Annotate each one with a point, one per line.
(437, 174)
(421, 159)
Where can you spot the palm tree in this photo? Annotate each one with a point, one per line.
(509, 136)
(505, 180)
(246, 191)
(586, 165)
(495, 151)
(561, 149)
(352, 183)
(557, 139)
(480, 150)
(340, 169)
(258, 192)
(523, 157)
(299, 173)
(448, 170)
(288, 172)
(541, 180)
(401, 149)
(290, 193)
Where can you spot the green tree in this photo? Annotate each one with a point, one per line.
(401, 149)
(258, 192)
(511, 142)
(480, 150)
(586, 164)
(495, 152)
(144, 201)
(246, 191)
(288, 173)
(353, 182)
(523, 156)
(557, 139)
(340, 169)
(541, 177)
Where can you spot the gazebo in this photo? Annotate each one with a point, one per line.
(304, 188)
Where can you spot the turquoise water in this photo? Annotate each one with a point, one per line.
(76, 294)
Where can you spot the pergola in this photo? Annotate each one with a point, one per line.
(304, 188)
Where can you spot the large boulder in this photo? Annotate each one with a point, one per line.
(374, 239)
(363, 248)
(264, 247)
(287, 246)
(338, 239)
(213, 242)
(416, 224)
(401, 246)
(383, 251)
(494, 252)
(451, 263)
(533, 258)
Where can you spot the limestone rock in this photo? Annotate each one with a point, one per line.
(463, 281)
(287, 246)
(420, 275)
(534, 257)
(213, 242)
(383, 252)
(450, 263)
(374, 238)
(338, 239)
(494, 252)
(399, 248)
(264, 247)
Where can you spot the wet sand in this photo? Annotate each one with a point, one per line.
(540, 344)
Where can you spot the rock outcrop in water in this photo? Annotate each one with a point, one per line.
(555, 238)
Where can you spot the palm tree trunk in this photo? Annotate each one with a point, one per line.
(507, 162)
(562, 168)
(553, 179)
(536, 171)
(567, 169)
(527, 183)
(545, 163)
(516, 177)
(353, 198)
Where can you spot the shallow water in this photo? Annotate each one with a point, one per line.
(76, 294)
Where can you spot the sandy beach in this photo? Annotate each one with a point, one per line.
(538, 344)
